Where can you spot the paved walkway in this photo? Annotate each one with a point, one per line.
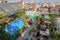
(26, 33)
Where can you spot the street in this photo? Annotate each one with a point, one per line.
(26, 34)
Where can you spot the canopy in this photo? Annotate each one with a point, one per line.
(14, 26)
(31, 16)
(45, 17)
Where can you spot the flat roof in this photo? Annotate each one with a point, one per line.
(9, 8)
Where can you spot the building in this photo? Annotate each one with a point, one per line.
(4, 1)
(21, 3)
(42, 9)
(0, 1)
(30, 11)
(53, 10)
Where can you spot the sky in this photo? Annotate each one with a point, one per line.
(35, 0)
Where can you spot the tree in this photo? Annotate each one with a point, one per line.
(37, 20)
(32, 32)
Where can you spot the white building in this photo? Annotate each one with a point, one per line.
(4, 1)
(12, 1)
(53, 4)
(30, 12)
(58, 24)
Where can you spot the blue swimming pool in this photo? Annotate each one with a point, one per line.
(14, 26)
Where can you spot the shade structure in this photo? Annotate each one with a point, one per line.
(9, 9)
(45, 17)
(31, 16)
(14, 26)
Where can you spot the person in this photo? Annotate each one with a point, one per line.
(43, 26)
(46, 36)
(56, 33)
(43, 17)
(44, 31)
(38, 35)
(28, 25)
(30, 21)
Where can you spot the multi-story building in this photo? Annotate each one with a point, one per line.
(4, 1)
(54, 10)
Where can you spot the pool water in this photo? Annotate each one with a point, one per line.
(14, 26)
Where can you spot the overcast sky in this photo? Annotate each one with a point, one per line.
(35, 0)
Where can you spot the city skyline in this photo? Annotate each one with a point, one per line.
(54, 1)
